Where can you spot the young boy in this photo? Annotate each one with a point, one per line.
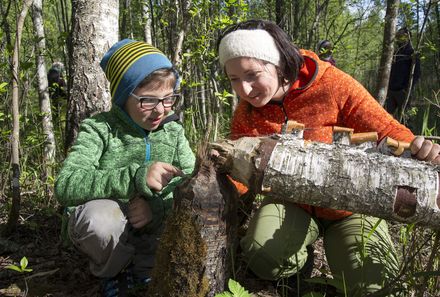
(119, 176)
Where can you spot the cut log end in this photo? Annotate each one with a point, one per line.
(405, 202)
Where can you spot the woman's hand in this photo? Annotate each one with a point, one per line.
(139, 212)
(160, 174)
(425, 150)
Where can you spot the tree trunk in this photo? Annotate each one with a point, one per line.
(386, 59)
(15, 137)
(314, 28)
(279, 12)
(437, 38)
(184, 24)
(338, 176)
(126, 26)
(146, 19)
(194, 256)
(94, 30)
(43, 91)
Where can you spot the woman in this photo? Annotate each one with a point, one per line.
(277, 82)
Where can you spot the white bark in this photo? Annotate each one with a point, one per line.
(95, 29)
(43, 92)
(338, 176)
(146, 19)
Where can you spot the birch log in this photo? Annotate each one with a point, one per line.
(354, 178)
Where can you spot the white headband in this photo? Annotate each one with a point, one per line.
(256, 43)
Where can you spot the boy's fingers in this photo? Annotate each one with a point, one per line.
(172, 169)
(155, 185)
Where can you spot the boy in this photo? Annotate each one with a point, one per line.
(123, 167)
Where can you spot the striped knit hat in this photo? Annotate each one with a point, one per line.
(127, 63)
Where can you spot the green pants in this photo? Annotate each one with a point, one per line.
(359, 252)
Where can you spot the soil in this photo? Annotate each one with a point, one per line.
(61, 271)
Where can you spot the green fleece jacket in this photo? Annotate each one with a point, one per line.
(111, 158)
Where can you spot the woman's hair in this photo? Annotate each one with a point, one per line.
(290, 58)
(160, 77)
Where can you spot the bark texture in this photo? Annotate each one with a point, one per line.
(15, 136)
(354, 178)
(94, 30)
(147, 21)
(386, 59)
(43, 91)
(194, 255)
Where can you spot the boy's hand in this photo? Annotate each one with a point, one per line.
(425, 150)
(139, 212)
(160, 175)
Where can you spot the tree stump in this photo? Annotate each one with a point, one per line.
(195, 252)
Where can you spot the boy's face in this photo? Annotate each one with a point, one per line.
(149, 119)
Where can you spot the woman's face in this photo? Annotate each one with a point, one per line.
(254, 80)
(148, 119)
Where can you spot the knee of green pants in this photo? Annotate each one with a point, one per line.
(276, 240)
(359, 250)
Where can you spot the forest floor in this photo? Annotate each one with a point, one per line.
(60, 271)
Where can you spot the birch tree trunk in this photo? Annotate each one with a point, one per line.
(184, 23)
(386, 59)
(146, 19)
(15, 137)
(43, 91)
(94, 30)
(338, 176)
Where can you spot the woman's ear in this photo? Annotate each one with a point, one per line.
(281, 79)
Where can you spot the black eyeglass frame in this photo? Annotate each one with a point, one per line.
(141, 99)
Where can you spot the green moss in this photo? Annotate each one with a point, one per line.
(180, 259)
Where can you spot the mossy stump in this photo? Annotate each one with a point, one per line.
(194, 255)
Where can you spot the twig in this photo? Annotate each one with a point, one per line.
(50, 272)
(430, 137)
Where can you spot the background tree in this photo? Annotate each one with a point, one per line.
(15, 137)
(94, 30)
(387, 51)
(43, 91)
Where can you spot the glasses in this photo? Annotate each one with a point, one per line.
(149, 103)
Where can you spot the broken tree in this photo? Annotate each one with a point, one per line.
(195, 252)
(357, 178)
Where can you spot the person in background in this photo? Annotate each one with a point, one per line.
(277, 82)
(401, 73)
(57, 87)
(324, 48)
(119, 176)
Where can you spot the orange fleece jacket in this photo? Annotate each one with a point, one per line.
(322, 97)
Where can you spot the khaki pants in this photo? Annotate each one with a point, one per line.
(100, 230)
(278, 234)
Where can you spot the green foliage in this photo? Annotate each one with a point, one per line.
(236, 290)
(355, 27)
(223, 97)
(3, 87)
(22, 268)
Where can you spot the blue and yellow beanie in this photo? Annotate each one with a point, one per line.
(127, 63)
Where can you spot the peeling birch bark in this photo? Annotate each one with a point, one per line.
(354, 178)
